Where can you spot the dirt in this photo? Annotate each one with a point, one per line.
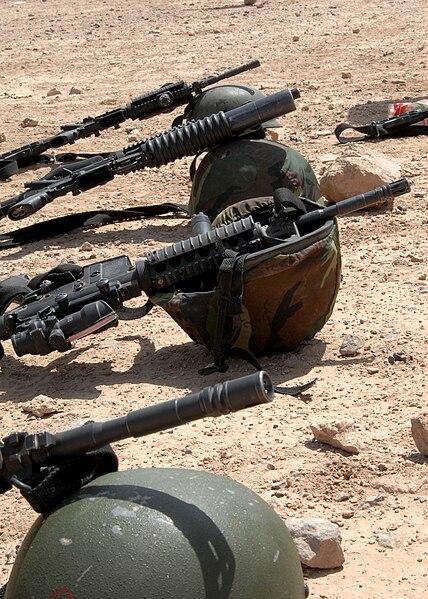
(348, 61)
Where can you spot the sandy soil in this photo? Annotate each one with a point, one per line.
(348, 64)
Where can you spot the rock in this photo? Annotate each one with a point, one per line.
(371, 501)
(346, 75)
(295, 38)
(350, 345)
(135, 136)
(108, 343)
(41, 406)
(357, 171)
(249, 2)
(393, 486)
(389, 540)
(397, 357)
(342, 497)
(420, 432)
(74, 90)
(325, 158)
(53, 92)
(2, 137)
(372, 370)
(85, 247)
(317, 541)
(27, 122)
(276, 485)
(339, 432)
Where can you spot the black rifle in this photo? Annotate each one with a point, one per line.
(164, 99)
(25, 458)
(394, 126)
(53, 316)
(184, 140)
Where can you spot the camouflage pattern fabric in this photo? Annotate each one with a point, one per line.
(249, 168)
(289, 294)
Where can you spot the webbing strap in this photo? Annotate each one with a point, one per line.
(84, 220)
(230, 290)
(19, 286)
(11, 289)
(239, 352)
(403, 125)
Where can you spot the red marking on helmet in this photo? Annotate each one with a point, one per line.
(63, 593)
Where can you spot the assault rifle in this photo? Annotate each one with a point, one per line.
(164, 99)
(53, 316)
(184, 140)
(27, 460)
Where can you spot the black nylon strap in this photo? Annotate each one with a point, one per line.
(10, 167)
(239, 352)
(20, 286)
(7, 169)
(403, 125)
(56, 482)
(11, 289)
(58, 276)
(230, 290)
(84, 220)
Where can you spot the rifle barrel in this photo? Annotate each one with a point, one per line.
(358, 202)
(253, 64)
(220, 399)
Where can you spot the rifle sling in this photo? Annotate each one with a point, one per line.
(228, 324)
(376, 130)
(230, 290)
(84, 220)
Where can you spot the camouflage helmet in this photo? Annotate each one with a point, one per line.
(249, 168)
(159, 533)
(224, 98)
(266, 300)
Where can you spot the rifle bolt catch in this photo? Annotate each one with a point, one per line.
(103, 285)
(62, 300)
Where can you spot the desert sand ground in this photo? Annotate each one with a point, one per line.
(349, 61)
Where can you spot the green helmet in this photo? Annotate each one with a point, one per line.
(159, 533)
(249, 168)
(224, 98)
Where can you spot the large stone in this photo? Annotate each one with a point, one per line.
(42, 406)
(338, 432)
(356, 171)
(350, 345)
(420, 432)
(317, 541)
